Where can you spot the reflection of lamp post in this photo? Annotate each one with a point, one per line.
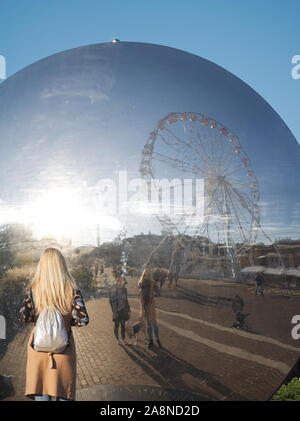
(98, 239)
(124, 262)
(125, 249)
(125, 246)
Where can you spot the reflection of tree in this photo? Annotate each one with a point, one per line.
(16, 264)
(177, 256)
(6, 255)
(125, 244)
(154, 258)
(111, 252)
(12, 290)
(13, 277)
(83, 277)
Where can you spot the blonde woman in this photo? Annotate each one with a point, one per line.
(147, 306)
(52, 287)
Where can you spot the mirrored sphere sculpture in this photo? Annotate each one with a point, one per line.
(131, 156)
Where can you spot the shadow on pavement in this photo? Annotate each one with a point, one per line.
(167, 370)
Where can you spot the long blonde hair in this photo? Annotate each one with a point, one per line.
(146, 286)
(52, 285)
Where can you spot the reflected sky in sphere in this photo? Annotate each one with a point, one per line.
(85, 114)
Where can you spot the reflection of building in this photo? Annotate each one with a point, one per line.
(141, 247)
(199, 258)
(205, 259)
(290, 251)
(286, 251)
(63, 244)
(32, 245)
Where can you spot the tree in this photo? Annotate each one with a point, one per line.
(83, 277)
(112, 252)
(6, 255)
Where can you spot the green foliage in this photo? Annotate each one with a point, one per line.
(83, 277)
(11, 237)
(6, 256)
(12, 279)
(289, 392)
(12, 290)
(25, 260)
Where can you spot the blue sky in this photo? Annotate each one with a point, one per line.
(255, 39)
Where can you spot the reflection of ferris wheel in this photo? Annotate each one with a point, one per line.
(192, 145)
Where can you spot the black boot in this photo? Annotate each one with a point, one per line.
(150, 344)
(159, 344)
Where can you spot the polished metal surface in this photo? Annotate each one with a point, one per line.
(141, 392)
(85, 131)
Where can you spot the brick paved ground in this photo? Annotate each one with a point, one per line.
(201, 353)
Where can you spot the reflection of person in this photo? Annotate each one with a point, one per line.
(119, 305)
(147, 308)
(259, 283)
(105, 280)
(159, 277)
(237, 306)
(173, 275)
(123, 277)
(52, 374)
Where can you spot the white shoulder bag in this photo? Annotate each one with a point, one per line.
(50, 334)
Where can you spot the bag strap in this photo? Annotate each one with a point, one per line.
(33, 306)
